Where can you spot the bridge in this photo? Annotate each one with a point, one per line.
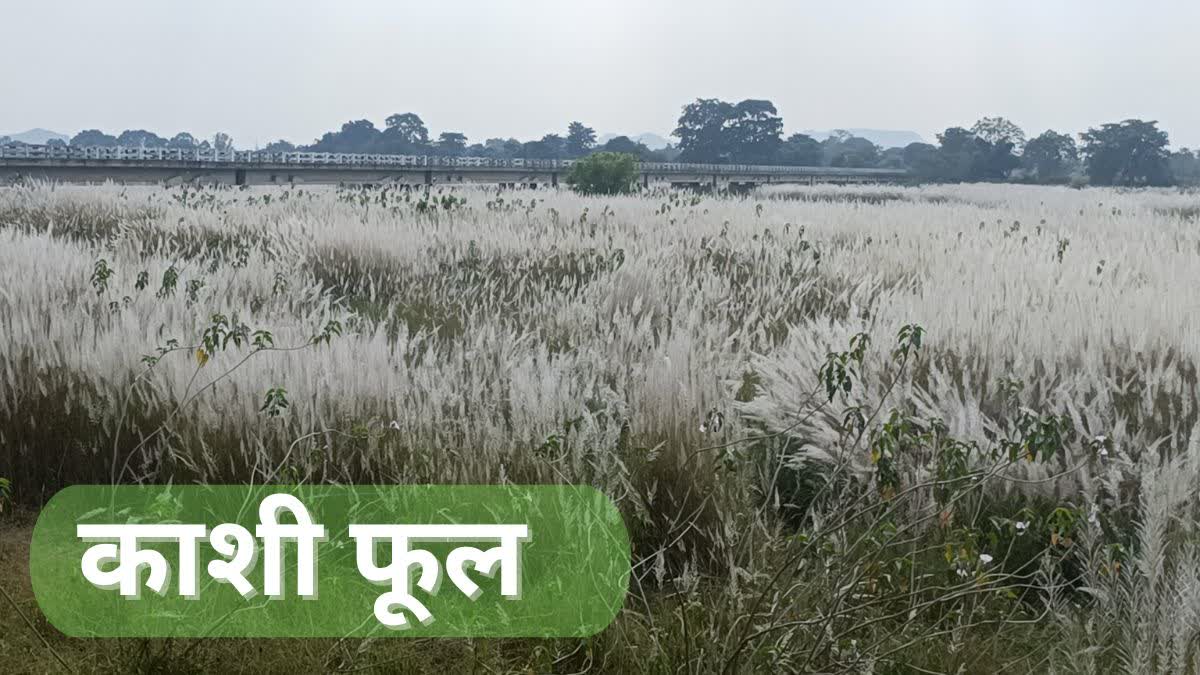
(73, 164)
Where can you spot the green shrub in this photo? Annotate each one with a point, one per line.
(604, 173)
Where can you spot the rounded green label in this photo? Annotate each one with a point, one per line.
(330, 561)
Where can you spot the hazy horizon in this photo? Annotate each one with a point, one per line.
(523, 69)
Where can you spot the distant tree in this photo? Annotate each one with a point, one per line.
(915, 152)
(604, 173)
(551, 146)
(891, 158)
(995, 130)
(703, 131)
(279, 146)
(5, 140)
(843, 149)
(857, 152)
(182, 141)
(1050, 156)
(801, 150)
(958, 152)
(926, 162)
(840, 135)
(964, 156)
(56, 142)
(408, 128)
(93, 137)
(626, 146)
(503, 148)
(667, 153)
(580, 139)
(554, 146)
(1130, 153)
(357, 136)
(222, 141)
(754, 131)
(452, 143)
(1185, 167)
(140, 138)
(513, 148)
(328, 142)
(998, 162)
(832, 144)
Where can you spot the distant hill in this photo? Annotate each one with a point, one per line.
(887, 138)
(37, 136)
(650, 140)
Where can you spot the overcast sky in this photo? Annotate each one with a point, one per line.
(271, 69)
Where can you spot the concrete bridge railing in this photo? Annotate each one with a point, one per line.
(53, 154)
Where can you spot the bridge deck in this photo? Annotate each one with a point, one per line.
(70, 163)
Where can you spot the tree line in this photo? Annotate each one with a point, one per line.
(406, 134)
(1128, 153)
(140, 138)
(1132, 153)
(403, 134)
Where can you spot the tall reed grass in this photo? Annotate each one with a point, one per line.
(546, 337)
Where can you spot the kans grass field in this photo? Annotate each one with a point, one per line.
(851, 429)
